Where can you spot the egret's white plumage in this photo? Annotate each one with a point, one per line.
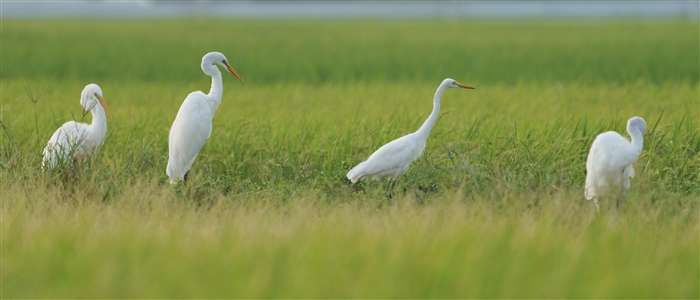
(76, 141)
(393, 159)
(192, 125)
(609, 165)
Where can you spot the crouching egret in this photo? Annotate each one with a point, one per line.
(609, 165)
(192, 125)
(393, 159)
(76, 141)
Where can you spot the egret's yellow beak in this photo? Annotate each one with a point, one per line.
(102, 101)
(230, 69)
(464, 86)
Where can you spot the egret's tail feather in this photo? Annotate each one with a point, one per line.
(590, 193)
(355, 174)
(590, 190)
(173, 174)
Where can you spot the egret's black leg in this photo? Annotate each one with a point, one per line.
(184, 178)
(390, 189)
(620, 199)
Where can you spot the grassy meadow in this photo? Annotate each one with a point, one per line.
(493, 209)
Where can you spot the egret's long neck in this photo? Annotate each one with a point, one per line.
(98, 127)
(427, 126)
(217, 87)
(637, 140)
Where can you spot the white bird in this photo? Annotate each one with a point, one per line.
(192, 125)
(609, 165)
(76, 141)
(393, 159)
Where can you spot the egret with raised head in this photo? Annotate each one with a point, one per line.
(192, 126)
(393, 159)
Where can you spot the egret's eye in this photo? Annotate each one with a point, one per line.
(224, 62)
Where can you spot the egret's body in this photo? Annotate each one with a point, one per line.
(77, 141)
(393, 159)
(609, 165)
(192, 126)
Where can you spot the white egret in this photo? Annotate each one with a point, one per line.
(393, 159)
(609, 165)
(192, 125)
(76, 141)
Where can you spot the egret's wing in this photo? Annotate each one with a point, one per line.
(390, 159)
(64, 144)
(190, 130)
(624, 157)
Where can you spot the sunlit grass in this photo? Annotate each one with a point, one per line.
(494, 208)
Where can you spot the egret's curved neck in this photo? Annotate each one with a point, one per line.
(427, 126)
(637, 140)
(217, 87)
(98, 127)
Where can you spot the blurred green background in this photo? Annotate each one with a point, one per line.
(318, 51)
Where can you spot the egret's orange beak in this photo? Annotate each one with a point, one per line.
(230, 69)
(102, 101)
(464, 86)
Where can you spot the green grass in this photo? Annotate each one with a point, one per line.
(494, 208)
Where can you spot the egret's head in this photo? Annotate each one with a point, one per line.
(637, 123)
(91, 97)
(451, 83)
(219, 59)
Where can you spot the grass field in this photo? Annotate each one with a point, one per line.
(493, 209)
